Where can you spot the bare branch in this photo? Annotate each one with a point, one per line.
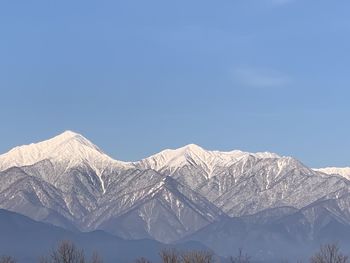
(7, 259)
(329, 253)
(240, 258)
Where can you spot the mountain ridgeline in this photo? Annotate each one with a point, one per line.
(259, 201)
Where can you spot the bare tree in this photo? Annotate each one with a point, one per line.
(66, 252)
(240, 258)
(142, 260)
(170, 256)
(173, 256)
(329, 253)
(7, 259)
(197, 257)
(96, 258)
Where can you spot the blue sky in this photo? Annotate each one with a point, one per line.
(136, 77)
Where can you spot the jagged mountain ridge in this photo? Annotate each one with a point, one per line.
(342, 171)
(70, 182)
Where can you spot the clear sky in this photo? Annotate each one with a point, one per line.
(136, 77)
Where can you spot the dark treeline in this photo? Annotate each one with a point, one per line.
(67, 252)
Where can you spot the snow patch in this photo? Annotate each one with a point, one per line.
(342, 171)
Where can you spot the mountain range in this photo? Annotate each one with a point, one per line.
(262, 202)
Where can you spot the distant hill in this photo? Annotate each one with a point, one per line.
(27, 240)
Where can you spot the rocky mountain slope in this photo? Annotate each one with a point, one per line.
(342, 171)
(170, 196)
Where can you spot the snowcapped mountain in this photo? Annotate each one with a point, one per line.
(70, 182)
(241, 183)
(344, 171)
(63, 152)
(197, 156)
(170, 196)
(68, 148)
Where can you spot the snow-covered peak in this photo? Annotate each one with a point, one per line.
(187, 150)
(192, 148)
(342, 171)
(72, 149)
(194, 154)
(69, 137)
(69, 148)
(263, 155)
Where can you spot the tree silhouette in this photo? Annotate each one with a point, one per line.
(7, 259)
(329, 253)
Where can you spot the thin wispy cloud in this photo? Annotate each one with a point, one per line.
(260, 77)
